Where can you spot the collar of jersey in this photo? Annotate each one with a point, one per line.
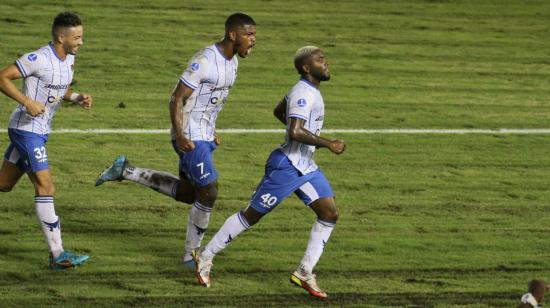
(220, 52)
(50, 44)
(309, 83)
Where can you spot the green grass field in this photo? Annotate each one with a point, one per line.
(426, 220)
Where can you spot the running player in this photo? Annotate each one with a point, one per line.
(196, 101)
(47, 74)
(289, 169)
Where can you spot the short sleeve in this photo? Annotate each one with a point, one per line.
(195, 71)
(30, 63)
(300, 104)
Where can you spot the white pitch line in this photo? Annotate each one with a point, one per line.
(514, 131)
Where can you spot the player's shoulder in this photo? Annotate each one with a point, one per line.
(203, 56)
(207, 52)
(35, 58)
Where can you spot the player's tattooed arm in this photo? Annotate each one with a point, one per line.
(177, 101)
(280, 111)
(7, 87)
(297, 132)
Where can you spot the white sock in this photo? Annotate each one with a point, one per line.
(232, 227)
(199, 216)
(162, 182)
(51, 227)
(320, 233)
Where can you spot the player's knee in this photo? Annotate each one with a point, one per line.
(252, 216)
(208, 195)
(330, 215)
(5, 187)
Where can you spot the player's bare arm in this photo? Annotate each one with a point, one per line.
(82, 99)
(177, 102)
(280, 111)
(297, 132)
(7, 75)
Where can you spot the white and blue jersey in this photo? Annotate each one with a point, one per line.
(304, 101)
(46, 79)
(290, 168)
(211, 76)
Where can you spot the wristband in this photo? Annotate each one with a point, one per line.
(528, 298)
(74, 97)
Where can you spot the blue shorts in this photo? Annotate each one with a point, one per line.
(197, 165)
(27, 150)
(282, 178)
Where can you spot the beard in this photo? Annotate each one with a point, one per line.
(71, 50)
(322, 77)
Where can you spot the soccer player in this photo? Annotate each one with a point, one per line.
(47, 74)
(196, 101)
(288, 169)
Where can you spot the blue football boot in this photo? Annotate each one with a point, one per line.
(113, 172)
(67, 260)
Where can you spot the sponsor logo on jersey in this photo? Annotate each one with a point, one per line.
(225, 88)
(32, 57)
(320, 118)
(301, 102)
(194, 66)
(57, 86)
(54, 99)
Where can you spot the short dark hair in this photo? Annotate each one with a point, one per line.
(238, 19)
(65, 20)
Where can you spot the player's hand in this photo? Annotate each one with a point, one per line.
(337, 146)
(85, 100)
(184, 145)
(217, 139)
(34, 108)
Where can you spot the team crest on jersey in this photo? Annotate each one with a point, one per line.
(301, 102)
(194, 66)
(32, 57)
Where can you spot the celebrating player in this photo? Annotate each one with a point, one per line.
(196, 101)
(47, 74)
(288, 169)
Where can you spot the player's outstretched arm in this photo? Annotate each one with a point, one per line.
(82, 99)
(177, 101)
(280, 111)
(7, 87)
(297, 132)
